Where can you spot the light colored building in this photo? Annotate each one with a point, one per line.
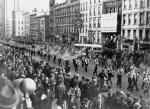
(2, 18)
(95, 11)
(84, 10)
(17, 23)
(66, 15)
(136, 23)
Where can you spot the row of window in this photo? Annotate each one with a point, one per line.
(93, 11)
(134, 34)
(94, 24)
(113, 9)
(84, 29)
(85, 18)
(66, 29)
(95, 1)
(84, 6)
(67, 10)
(65, 20)
(129, 4)
(127, 18)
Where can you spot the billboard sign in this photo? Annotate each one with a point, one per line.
(109, 23)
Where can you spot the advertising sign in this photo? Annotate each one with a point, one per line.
(109, 23)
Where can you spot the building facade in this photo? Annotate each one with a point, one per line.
(111, 23)
(94, 27)
(26, 17)
(136, 23)
(66, 15)
(17, 23)
(2, 18)
(51, 18)
(43, 27)
(34, 23)
(84, 10)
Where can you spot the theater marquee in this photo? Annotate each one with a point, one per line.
(109, 23)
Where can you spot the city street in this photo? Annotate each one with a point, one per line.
(75, 54)
(88, 74)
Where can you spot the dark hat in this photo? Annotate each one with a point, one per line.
(8, 95)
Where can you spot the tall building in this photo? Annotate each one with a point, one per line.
(18, 4)
(17, 23)
(84, 10)
(95, 11)
(111, 22)
(43, 27)
(136, 24)
(26, 17)
(2, 18)
(34, 23)
(51, 17)
(8, 18)
(65, 16)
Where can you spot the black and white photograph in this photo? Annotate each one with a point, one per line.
(74, 54)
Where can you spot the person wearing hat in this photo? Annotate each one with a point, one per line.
(61, 92)
(85, 104)
(9, 98)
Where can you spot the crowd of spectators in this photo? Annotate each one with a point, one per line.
(70, 90)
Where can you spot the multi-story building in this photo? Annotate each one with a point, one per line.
(111, 18)
(136, 23)
(26, 17)
(17, 23)
(43, 27)
(95, 11)
(51, 17)
(66, 16)
(2, 18)
(84, 10)
(33, 21)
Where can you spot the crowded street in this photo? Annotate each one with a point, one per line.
(74, 54)
(31, 64)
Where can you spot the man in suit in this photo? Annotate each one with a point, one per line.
(98, 102)
(61, 92)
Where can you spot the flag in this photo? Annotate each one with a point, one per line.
(73, 53)
(62, 51)
(56, 48)
(70, 50)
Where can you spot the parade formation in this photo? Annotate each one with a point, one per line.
(29, 80)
